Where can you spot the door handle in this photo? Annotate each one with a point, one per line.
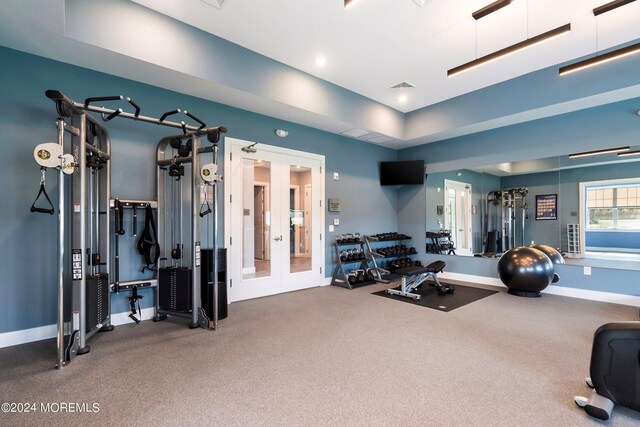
(278, 238)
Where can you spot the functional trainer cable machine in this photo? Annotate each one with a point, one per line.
(182, 167)
(508, 202)
(83, 290)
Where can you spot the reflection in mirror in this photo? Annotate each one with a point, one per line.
(453, 218)
(601, 216)
(588, 207)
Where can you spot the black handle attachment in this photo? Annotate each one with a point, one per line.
(101, 98)
(169, 113)
(136, 106)
(202, 124)
(42, 191)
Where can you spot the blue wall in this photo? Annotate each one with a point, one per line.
(28, 265)
(612, 239)
(595, 128)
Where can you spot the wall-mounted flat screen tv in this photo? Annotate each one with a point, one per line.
(410, 172)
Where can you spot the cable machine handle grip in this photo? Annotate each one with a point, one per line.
(134, 105)
(119, 218)
(114, 114)
(42, 210)
(135, 220)
(102, 98)
(202, 124)
(169, 113)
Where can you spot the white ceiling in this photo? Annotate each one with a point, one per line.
(369, 47)
(375, 44)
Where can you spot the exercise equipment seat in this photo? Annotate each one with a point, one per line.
(414, 276)
(615, 370)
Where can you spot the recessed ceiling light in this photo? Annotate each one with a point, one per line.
(321, 61)
(402, 98)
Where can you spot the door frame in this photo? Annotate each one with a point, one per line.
(229, 145)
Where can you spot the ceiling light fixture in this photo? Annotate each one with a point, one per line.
(629, 153)
(403, 98)
(282, 133)
(540, 38)
(610, 6)
(496, 5)
(598, 152)
(348, 3)
(607, 57)
(321, 61)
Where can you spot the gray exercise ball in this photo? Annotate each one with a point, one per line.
(525, 271)
(553, 254)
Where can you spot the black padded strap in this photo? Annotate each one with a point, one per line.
(148, 245)
(42, 191)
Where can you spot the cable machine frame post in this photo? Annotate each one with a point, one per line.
(61, 240)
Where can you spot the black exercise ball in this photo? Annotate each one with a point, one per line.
(525, 271)
(553, 254)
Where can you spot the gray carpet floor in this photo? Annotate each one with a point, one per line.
(329, 356)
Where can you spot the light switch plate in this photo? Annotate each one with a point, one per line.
(331, 229)
(587, 270)
(336, 176)
(336, 221)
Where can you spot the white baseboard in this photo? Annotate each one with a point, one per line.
(326, 281)
(8, 339)
(123, 318)
(609, 297)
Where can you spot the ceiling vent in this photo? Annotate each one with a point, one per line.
(356, 133)
(215, 3)
(420, 2)
(403, 85)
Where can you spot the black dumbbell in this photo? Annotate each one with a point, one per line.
(370, 276)
(352, 277)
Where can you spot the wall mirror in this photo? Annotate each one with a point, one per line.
(587, 206)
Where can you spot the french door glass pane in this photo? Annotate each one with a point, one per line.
(300, 221)
(256, 219)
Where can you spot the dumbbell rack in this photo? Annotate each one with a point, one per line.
(379, 271)
(340, 276)
(439, 242)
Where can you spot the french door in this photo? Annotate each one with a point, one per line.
(273, 219)
(458, 215)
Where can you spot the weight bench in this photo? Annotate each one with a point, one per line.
(414, 277)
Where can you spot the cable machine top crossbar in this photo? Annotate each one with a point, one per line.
(66, 106)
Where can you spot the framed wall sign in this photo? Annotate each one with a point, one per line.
(546, 206)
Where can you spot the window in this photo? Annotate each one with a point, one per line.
(613, 207)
